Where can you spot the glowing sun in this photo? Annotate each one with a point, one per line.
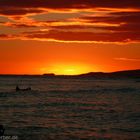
(66, 69)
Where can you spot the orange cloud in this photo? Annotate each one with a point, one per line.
(127, 59)
(110, 22)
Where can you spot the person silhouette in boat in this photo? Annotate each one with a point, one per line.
(17, 88)
(26, 89)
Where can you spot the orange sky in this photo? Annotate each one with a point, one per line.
(69, 37)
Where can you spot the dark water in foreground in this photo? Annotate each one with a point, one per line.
(70, 109)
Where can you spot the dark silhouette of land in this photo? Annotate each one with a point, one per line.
(118, 74)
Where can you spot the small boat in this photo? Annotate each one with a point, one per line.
(25, 89)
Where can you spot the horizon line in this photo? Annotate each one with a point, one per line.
(53, 74)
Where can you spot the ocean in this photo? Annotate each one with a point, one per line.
(70, 108)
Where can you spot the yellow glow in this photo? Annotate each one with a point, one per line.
(64, 69)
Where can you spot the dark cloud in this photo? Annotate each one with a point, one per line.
(2, 22)
(117, 17)
(5, 36)
(18, 11)
(122, 28)
(127, 21)
(84, 36)
(20, 25)
(134, 28)
(70, 3)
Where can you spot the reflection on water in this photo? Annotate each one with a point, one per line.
(72, 109)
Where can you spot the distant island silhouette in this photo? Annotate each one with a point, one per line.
(117, 74)
(128, 73)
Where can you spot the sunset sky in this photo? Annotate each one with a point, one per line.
(69, 36)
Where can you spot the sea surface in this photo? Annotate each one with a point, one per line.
(70, 108)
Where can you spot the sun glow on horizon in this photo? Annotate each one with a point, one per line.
(66, 69)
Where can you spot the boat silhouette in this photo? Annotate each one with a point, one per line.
(24, 89)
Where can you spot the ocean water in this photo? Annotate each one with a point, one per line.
(70, 108)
